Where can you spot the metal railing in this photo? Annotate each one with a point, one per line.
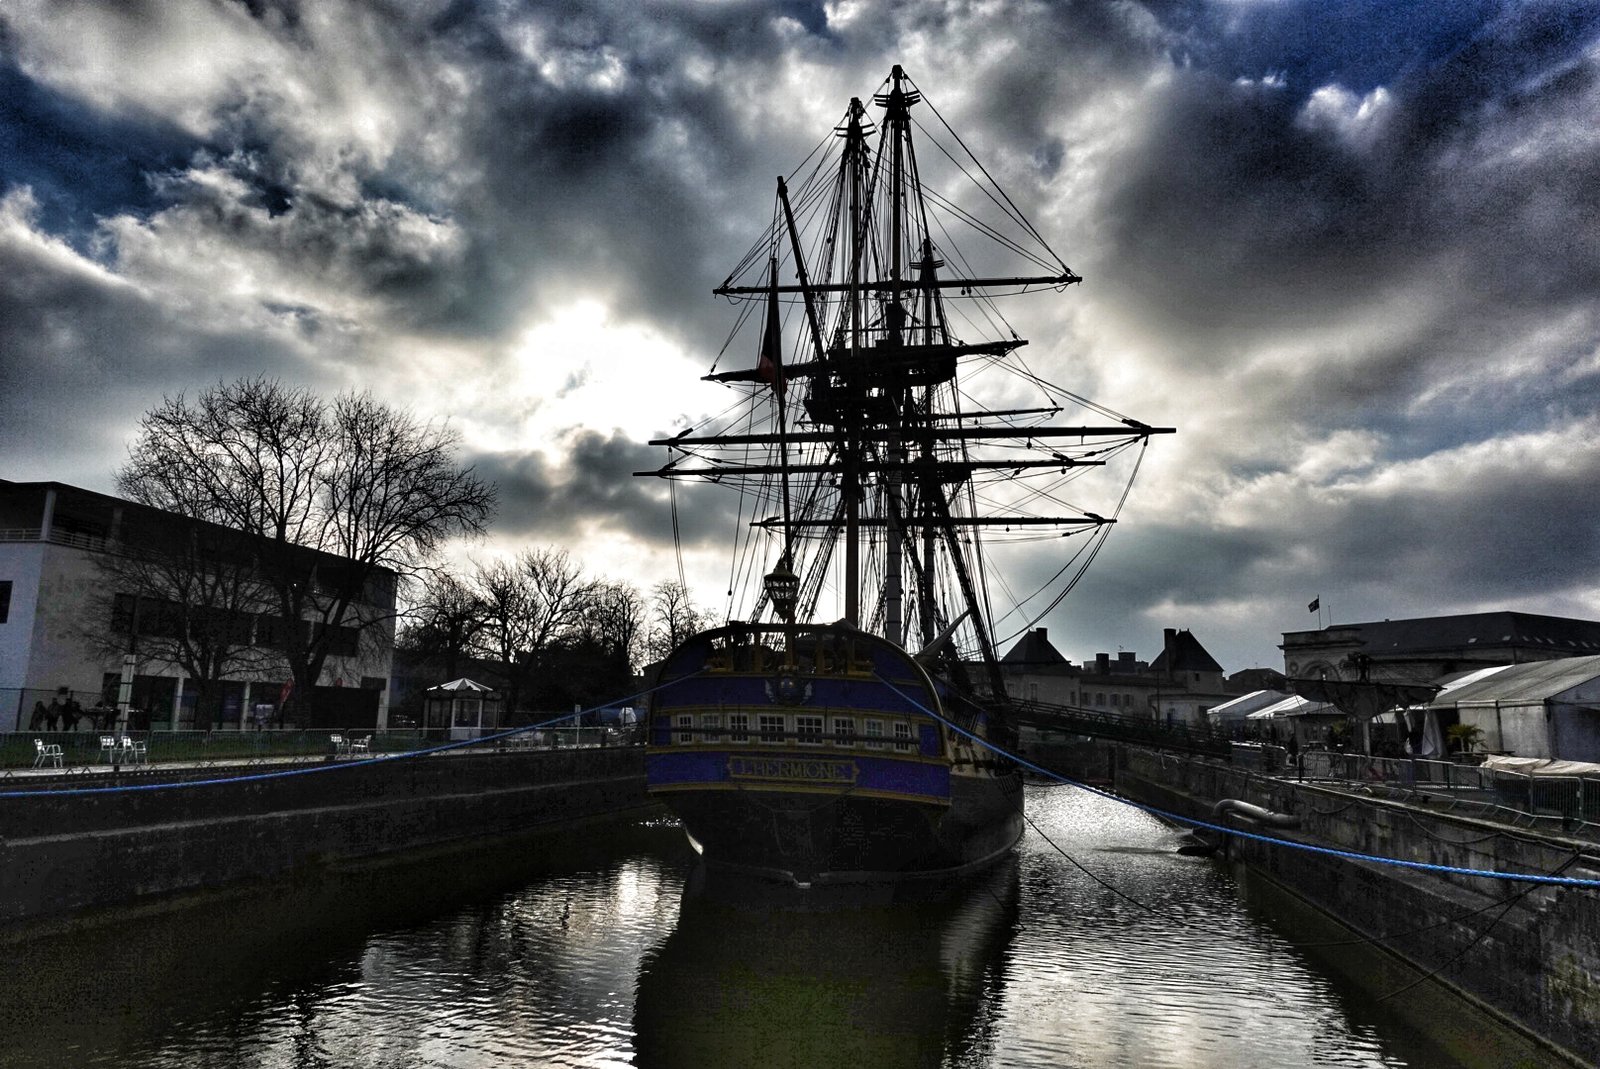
(84, 751)
(76, 539)
(1492, 792)
(1140, 730)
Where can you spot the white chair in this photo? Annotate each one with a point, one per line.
(108, 748)
(44, 751)
(361, 746)
(340, 746)
(134, 753)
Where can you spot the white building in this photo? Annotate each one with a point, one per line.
(60, 628)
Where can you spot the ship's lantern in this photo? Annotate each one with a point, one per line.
(783, 589)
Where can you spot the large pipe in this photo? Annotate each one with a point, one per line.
(1254, 813)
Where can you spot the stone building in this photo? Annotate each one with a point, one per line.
(1178, 686)
(1424, 649)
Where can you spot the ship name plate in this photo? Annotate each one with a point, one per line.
(794, 769)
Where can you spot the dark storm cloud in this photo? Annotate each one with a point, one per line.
(1307, 229)
(596, 162)
(83, 355)
(1504, 540)
(79, 164)
(1244, 212)
(593, 485)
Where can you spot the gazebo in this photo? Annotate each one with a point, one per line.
(460, 709)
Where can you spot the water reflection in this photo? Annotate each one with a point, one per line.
(747, 979)
(602, 951)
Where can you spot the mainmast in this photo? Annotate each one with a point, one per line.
(897, 125)
(854, 168)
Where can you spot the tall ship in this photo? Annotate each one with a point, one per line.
(884, 444)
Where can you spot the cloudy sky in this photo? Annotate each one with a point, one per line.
(1351, 250)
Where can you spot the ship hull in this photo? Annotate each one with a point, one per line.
(836, 764)
(806, 840)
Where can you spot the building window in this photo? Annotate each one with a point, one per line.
(685, 723)
(1100, 698)
(902, 736)
(5, 600)
(771, 726)
(844, 731)
(711, 727)
(738, 727)
(874, 734)
(1116, 700)
(1033, 692)
(809, 730)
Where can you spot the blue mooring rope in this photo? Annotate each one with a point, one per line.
(1348, 855)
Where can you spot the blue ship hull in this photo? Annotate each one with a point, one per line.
(825, 755)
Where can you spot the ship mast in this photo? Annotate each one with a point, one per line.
(887, 453)
(854, 166)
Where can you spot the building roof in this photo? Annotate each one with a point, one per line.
(1033, 648)
(1562, 636)
(1252, 679)
(1187, 656)
(463, 686)
(85, 519)
(1522, 683)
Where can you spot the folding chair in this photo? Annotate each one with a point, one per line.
(46, 752)
(135, 753)
(361, 746)
(339, 745)
(108, 748)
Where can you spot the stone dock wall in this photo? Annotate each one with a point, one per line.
(67, 854)
(1533, 960)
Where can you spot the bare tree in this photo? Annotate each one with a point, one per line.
(673, 617)
(532, 604)
(616, 620)
(444, 622)
(354, 479)
(503, 634)
(558, 596)
(183, 593)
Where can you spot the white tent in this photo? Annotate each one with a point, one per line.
(1231, 712)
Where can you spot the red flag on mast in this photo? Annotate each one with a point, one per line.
(770, 364)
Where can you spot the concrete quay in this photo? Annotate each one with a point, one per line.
(66, 856)
(1528, 953)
